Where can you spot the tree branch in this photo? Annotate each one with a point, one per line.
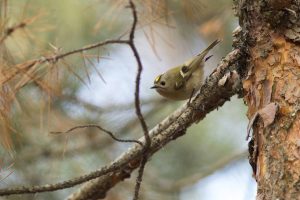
(212, 95)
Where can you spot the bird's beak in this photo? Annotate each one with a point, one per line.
(154, 87)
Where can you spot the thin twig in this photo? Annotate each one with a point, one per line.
(139, 178)
(81, 50)
(138, 76)
(137, 102)
(101, 129)
(62, 185)
(55, 58)
(101, 143)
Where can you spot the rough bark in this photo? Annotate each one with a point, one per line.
(272, 90)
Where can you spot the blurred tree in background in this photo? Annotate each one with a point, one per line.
(97, 87)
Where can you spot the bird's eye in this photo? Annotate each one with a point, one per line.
(163, 83)
(184, 69)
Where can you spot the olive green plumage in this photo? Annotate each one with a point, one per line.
(180, 82)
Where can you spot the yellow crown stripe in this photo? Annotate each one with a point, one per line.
(157, 79)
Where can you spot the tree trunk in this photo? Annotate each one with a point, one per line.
(271, 30)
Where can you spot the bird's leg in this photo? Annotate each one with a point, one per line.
(192, 94)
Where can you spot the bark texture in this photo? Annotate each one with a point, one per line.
(272, 89)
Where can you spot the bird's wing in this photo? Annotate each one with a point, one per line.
(189, 67)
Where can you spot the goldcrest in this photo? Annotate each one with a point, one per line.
(181, 82)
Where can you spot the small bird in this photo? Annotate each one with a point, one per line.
(181, 82)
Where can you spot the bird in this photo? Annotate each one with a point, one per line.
(181, 82)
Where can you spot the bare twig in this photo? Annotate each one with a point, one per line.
(138, 76)
(137, 102)
(101, 129)
(139, 178)
(62, 185)
(98, 143)
(54, 59)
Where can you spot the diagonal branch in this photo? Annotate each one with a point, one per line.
(214, 93)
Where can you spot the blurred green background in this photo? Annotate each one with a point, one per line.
(97, 87)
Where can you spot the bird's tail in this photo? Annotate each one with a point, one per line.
(212, 45)
(196, 62)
